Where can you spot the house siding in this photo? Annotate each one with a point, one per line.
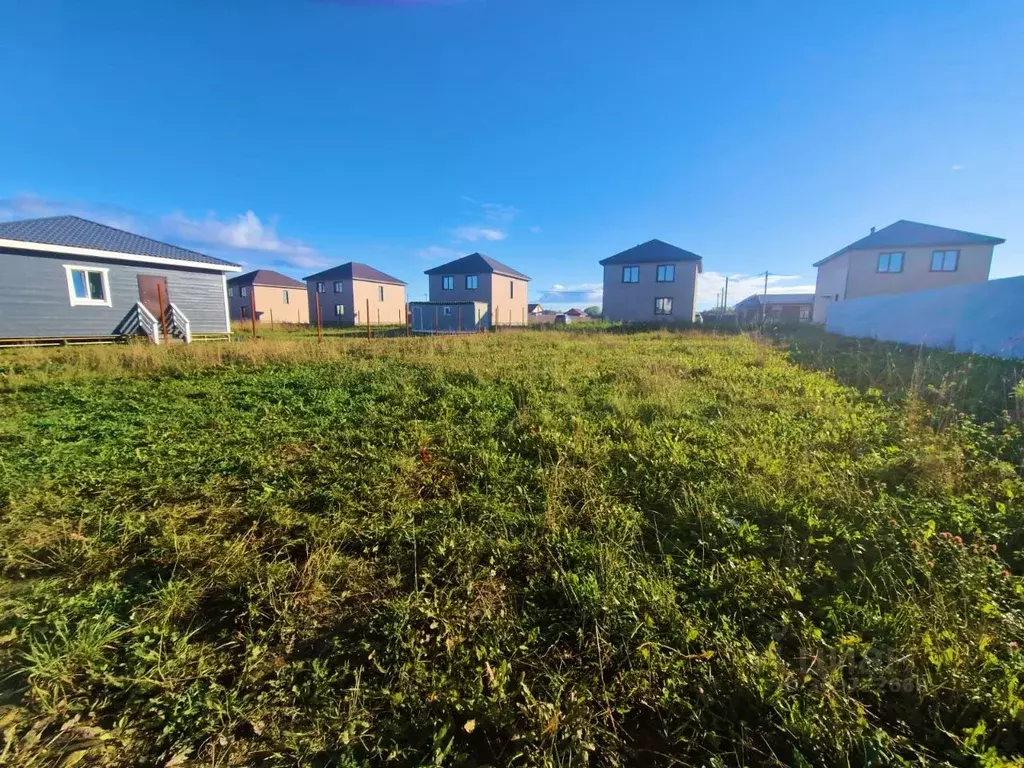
(634, 302)
(854, 274)
(34, 300)
(269, 300)
(354, 295)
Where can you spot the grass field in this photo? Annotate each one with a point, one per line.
(539, 548)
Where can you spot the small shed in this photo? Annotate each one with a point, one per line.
(448, 316)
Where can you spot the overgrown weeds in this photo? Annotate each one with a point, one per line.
(511, 549)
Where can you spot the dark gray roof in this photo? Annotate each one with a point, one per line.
(911, 234)
(776, 298)
(652, 251)
(266, 277)
(353, 270)
(75, 232)
(473, 264)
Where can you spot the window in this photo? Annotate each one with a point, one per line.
(320, 287)
(472, 282)
(890, 262)
(88, 286)
(631, 274)
(448, 283)
(231, 291)
(284, 296)
(663, 306)
(339, 310)
(511, 289)
(945, 261)
(805, 313)
(666, 273)
(244, 312)
(338, 285)
(447, 311)
(380, 293)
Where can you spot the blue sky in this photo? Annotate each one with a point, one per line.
(546, 133)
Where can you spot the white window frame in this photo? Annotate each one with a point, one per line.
(284, 296)
(339, 286)
(942, 264)
(447, 282)
(339, 310)
(662, 311)
(661, 274)
(231, 291)
(69, 269)
(243, 291)
(321, 286)
(380, 293)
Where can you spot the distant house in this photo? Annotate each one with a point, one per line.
(345, 293)
(534, 309)
(651, 282)
(69, 278)
(784, 307)
(276, 298)
(480, 278)
(576, 313)
(901, 258)
(445, 317)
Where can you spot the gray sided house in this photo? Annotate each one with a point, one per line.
(779, 307)
(480, 278)
(652, 282)
(72, 279)
(447, 317)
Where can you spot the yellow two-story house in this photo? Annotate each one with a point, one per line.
(901, 258)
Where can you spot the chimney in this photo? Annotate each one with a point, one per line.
(872, 230)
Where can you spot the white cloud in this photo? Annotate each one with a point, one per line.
(494, 211)
(741, 286)
(28, 205)
(439, 253)
(580, 293)
(474, 234)
(957, 167)
(535, 229)
(245, 232)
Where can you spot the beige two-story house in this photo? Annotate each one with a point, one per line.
(652, 282)
(271, 296)
(356, 294)
(901, 258)
(480, 278)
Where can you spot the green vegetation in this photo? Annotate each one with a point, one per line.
(555, 548)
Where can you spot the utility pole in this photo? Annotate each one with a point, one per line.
(725, 300)
(764, 306)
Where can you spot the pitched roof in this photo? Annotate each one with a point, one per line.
(758, 299)
(75, 232)
(533, 307)
(575, 312)
(474, 263)
(908, 234)
(354, 270)
(267, 277)
(653, 251)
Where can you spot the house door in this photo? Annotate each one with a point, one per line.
(151, 289)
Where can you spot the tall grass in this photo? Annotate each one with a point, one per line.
(506, 549)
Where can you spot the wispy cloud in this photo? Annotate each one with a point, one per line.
(741, 286)
(244, 232)
(535, 229)
(580, 293)
(438, 253)
(956, 167)
(473, 234)
(32, 206)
